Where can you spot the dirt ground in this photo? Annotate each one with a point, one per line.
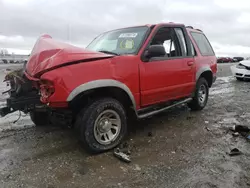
(175, 149)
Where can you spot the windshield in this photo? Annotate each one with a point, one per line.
(122, 41)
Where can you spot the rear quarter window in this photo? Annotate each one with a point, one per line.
(203, 44)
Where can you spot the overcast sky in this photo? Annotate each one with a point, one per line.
(225, 22)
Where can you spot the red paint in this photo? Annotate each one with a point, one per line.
(149, 83)
(48, 53)
(201, 61)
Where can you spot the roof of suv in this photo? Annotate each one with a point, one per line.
(189, 28)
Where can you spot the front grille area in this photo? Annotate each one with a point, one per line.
(237, 74)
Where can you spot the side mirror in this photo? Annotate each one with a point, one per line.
(155, 51)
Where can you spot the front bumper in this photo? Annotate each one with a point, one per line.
(22, 95)
(24, 103)
(240, 73)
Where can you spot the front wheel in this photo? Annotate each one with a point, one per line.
(201, 95)
(102, 125)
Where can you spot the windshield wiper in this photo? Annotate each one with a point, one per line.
(108, 52)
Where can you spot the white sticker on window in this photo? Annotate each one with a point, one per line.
(128, 35)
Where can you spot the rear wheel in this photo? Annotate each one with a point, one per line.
(201, 95)
(39, 118)
(102, 125)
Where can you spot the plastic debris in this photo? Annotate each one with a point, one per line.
(248, 137)
(241, 128)
(235, 152)
(208, 129)
(236, 134)
(122, 156)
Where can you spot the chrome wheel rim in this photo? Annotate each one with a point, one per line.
(107, 127)
(202, 94)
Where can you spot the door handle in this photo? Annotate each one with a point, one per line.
(190, 63)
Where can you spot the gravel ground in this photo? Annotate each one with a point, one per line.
(177, 148)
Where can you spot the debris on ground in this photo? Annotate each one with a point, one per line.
(125, 148)
(236, 134)
(248, 137)
(122, 156)
(137, 167)
(150, 134)
(208, 129)
(241, 128)
(235, 152)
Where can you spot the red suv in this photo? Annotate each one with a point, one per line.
(136, 71)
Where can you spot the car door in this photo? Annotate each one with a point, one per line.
(172, 76)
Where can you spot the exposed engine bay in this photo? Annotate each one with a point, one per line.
(23, 95)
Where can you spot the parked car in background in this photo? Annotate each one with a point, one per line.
(224, 60)
(235, 60)
(5, 61)
(239, 58)
(230, 60)
(227, 60)
(241, 71)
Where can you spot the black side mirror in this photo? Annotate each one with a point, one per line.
(155, 51)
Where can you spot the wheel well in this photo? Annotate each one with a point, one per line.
(86, 97)
(208, 76)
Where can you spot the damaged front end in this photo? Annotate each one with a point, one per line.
(23, 95)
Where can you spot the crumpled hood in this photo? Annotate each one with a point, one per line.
(245, 62)
(49, 54)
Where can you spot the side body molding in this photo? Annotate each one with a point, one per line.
(99, 84)
(201, 70)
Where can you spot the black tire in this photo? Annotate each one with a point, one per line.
(40, 118)
(240, 79)
(85, 126)
(196, 104)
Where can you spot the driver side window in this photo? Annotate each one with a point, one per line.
(168, 38)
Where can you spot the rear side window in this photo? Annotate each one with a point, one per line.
(182, 41)
(203, 44)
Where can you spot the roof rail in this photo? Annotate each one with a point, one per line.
(199, 30)
(189, 27)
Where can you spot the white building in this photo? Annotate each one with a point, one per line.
(13, 57)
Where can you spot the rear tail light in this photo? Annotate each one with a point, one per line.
(46, 89)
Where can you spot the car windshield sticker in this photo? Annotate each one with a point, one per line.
(128, 35)
(127, 44)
